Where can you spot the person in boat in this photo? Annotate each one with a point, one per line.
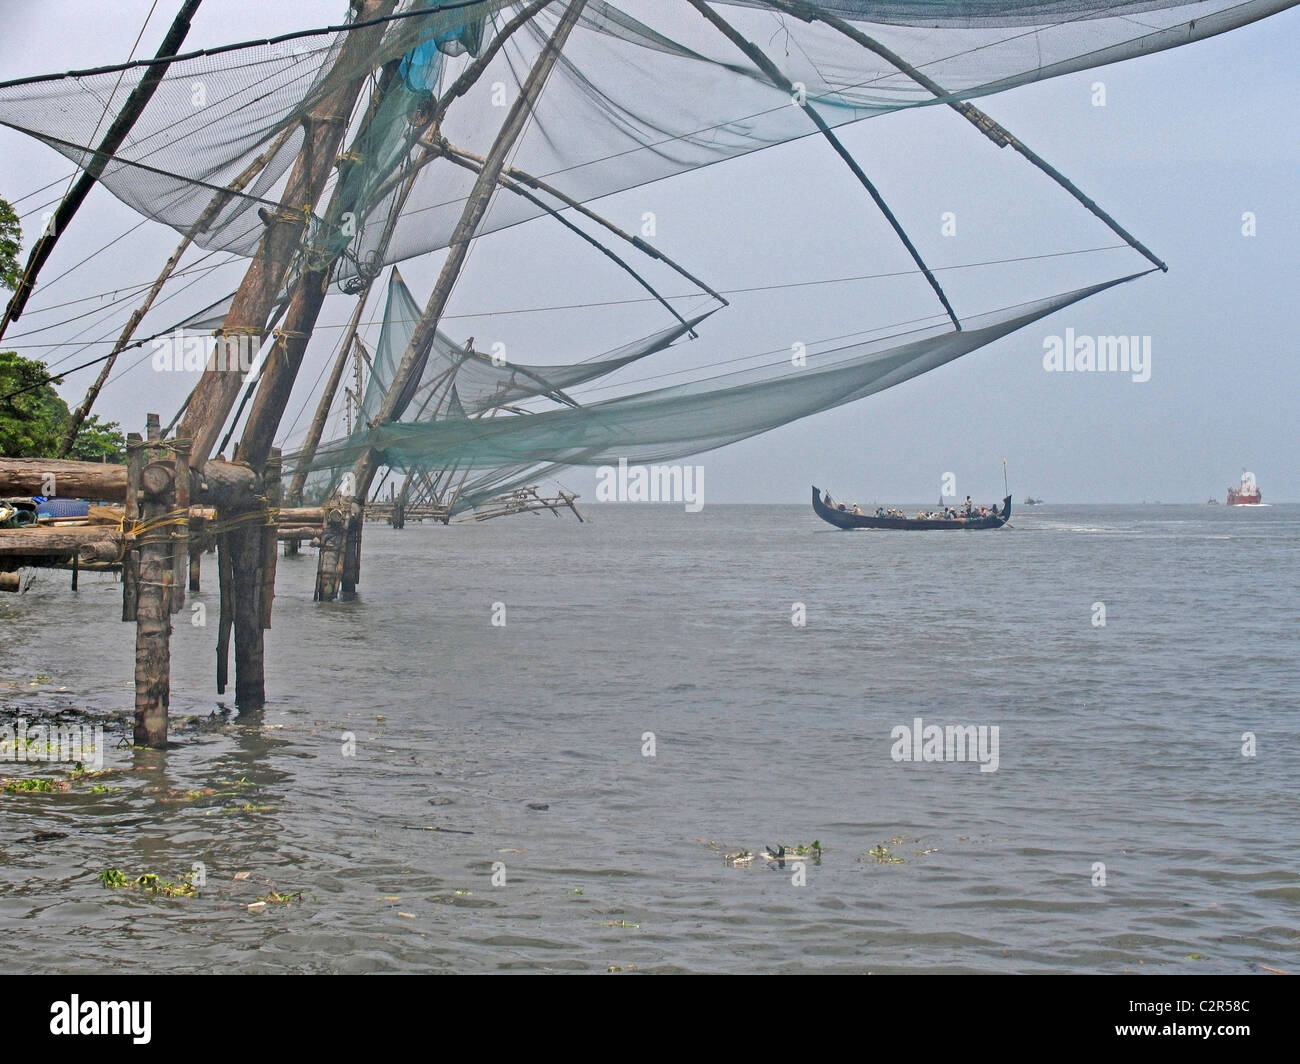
(880, 511)
(857, 509)
(969, 505)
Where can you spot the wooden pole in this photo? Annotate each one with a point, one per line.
(180, 535)
(152, 610)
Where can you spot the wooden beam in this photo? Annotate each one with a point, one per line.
(220, 483)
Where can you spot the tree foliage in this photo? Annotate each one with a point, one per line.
(32, 422)
(11, 242)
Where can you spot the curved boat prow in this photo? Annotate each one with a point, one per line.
(1006, 509)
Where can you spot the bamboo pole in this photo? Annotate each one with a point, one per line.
(113, 138)
(527, 179)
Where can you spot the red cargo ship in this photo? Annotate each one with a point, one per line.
(1247, 494)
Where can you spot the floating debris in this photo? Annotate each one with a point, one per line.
(149, 883)
(276, 898)
(33, 785)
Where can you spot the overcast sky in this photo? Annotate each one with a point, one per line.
(1187, 142)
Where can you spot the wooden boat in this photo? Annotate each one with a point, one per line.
(847, 519)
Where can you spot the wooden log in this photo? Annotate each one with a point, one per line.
(219, 483)
(76, 480)
(11, 582)
(302, 515)
(95, 543)
(324, 126)
(195, 556)
(351, 573)
(246, 585)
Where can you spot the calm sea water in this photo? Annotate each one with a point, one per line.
(1118, 744)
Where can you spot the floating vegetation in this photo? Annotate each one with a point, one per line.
(149, 883)
(619, 923)
(881, 855)
(33, 785)
(621, 968)
(276, 898)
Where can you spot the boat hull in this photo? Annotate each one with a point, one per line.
(844, 520)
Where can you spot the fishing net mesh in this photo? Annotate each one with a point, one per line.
(645, 89)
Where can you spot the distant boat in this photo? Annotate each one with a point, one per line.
(1211, 502)
(1031, 501)
(1248, 494)
(847, 519)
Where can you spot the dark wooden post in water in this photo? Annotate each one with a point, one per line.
(147, 597)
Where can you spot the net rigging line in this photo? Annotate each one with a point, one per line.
(597, 304)
(126, 297)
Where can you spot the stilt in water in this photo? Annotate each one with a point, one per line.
(148, 597)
